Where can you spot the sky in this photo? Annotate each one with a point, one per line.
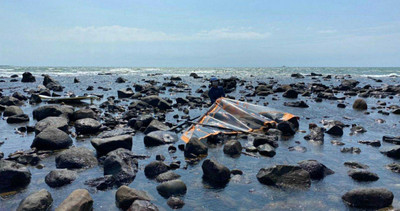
(200, 33)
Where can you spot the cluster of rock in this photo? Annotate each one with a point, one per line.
(111, 139)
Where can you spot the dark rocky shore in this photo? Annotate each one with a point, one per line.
(122, 152)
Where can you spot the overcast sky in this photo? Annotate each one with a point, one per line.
(200, 33)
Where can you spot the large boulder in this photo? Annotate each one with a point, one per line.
(27, 77)
(232, 148)
(52, 139)
(159, 137)
(60, 123)
(155, 168)
(195, 148)
(79, 199)
(87, 126)
(37, 201)
(360, 104)
(362, 175)
(84, 113)
(60, 177)
(125, 196)
(106, 145)
(76, 158)
(157, 102)
(139, 205)
(316, 169)
(368, 198)
(52, 110)
(287, 176)
(122, 165)
(172, 188)
(13, 175)
(12, 110)
(215, 172)
(52, 84)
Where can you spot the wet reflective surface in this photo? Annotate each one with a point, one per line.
(242, 192)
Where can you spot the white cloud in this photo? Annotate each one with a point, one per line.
(130, 34)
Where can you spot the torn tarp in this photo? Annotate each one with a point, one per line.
(229, 116)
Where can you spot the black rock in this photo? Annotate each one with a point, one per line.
(172, 188)
(232, 148)
(52, 110)
(121, 80)
(122, 165)
(290, 94)
(35, 99)
(10, 101)
(298, 149)
(12, 110)
(52, 84)
(13, 176)
(393, 152)
(18, 119)
(265, 139)
(155, 168)
(76, 158)
(316, 133)
(394, 167)
(360, 104)
(157, 102)
(299, 104)
(37, 201)
(139, 205)
(195, 148)
(266, 150)
(27, 77)
(83, 113)
(52, 139)
(316, 169)
(156, 125)
(215, 172)
(287, 176)
(106, 145)
(125, 196)
(175, 203)
(60, 177)
(125, 93)
(368, 198)
(60, 123)
(362, 175)
(287, 128)
(87, 126)
(355, 165)
(167, 176)
(374, 143)
(391, 139)
(354, 150)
